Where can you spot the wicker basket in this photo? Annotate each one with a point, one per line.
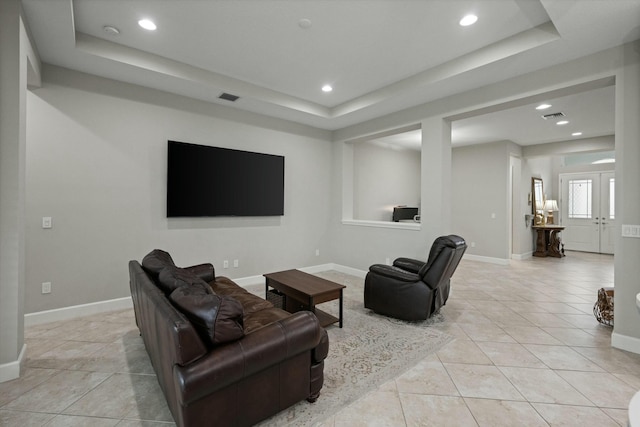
(603, 308)
(276, 298)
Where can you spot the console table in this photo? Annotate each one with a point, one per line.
(548, 242)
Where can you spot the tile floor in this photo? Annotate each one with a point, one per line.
(528, 352)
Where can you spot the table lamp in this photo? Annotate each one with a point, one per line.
(550, 206)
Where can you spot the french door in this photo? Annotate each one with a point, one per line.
(587, 211)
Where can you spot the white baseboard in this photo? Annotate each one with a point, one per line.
(74, 311)
(521, 257)
(490, 260)
(11, 371)
(625, 342)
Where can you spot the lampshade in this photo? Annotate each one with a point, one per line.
(551, 205)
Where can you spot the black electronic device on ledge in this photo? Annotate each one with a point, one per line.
(205, 181)
(401, 213)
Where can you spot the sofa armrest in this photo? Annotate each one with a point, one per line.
(393, 272)
(204, 271)
(408, 264)
(267, 346)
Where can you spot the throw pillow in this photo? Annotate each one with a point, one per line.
(218, 319)
(155, 261)
(171, 278)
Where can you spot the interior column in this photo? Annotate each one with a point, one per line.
(13, 86)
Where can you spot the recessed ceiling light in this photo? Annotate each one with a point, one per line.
(468, 20)
(543, 106)
(304, 23)
(327, 88)
(562, 122)
(576, 134)
(147, 24)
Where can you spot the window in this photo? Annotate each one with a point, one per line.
(580, 198)
(612, 195)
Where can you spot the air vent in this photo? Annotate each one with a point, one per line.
(553, 116)
(228, 97)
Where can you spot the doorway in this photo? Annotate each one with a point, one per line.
(588, 211)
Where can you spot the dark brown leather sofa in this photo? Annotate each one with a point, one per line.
(223, 356)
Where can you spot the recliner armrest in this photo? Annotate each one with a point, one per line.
(204, 271)
(394, 273)
(408, 264)
(229, 363)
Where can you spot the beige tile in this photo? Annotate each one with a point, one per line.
(510, 354)
(530, 335)
(118, 356)
(460, 351)
(482, 381)
(58, 392)
(492, 413)
(435, 411)
(486, 332)
(66, 355)
(620, 416)
(382, 409)
(23, 419)
(562, 357)
(603, 389)
(30, 378)
(73, 421)
(146, 423)
(544, 386)
(573, 416)
(578, 337)
(124, 396)
(612, 359)
(507, 318)
(427, 377)
(546, 319)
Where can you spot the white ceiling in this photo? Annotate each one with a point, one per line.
(381, 56)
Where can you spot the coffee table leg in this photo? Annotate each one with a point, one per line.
(340, 318)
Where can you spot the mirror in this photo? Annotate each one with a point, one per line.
(537, 200)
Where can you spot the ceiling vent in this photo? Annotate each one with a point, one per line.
(228, 97)
(553, 116)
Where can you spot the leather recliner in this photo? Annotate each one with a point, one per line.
(411, 289)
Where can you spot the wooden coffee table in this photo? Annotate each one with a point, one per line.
(304, 291)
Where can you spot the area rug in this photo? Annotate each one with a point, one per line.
(367, 352)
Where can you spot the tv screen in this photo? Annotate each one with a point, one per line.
(212, 181)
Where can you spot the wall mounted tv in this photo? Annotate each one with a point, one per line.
(212, 181)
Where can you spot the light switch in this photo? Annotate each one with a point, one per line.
(46, 222)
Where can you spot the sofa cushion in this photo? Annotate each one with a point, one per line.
(155, 261)
(171, 278)
(259, 319)
(217, 318)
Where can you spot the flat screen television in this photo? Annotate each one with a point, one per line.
(205, 181)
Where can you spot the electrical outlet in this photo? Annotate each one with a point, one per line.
(225, 264)
(46, 287)
(473, 244)
(236, 263)
(47, 222)
(387, 261)
(317, 252)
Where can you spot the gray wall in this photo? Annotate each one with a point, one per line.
(97, 165)
(480, 201)
(383, 177)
